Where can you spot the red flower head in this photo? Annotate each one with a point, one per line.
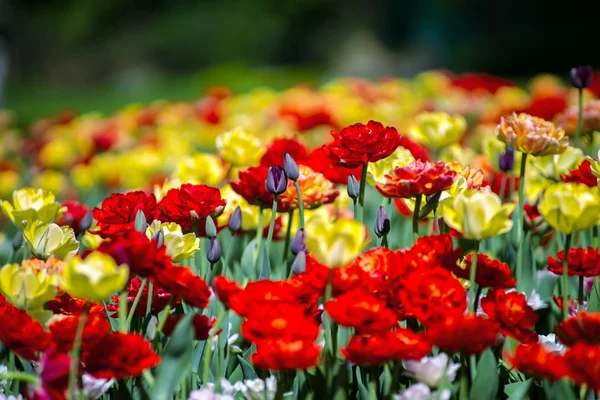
(67, 305)
(201, 323)
(418, 152)
(344, 278)
(319, 162)
(21, 333)
(251, 186)
(432, 251)
(360, 144)
(463, 333)
(277, 149)
(55, 367)
(489, 273)
(182, 282)
(285, 321)
(583, 327)
(224, 289)
(260, 294)
(581, 262)
(362, 311)
(433, 294)
(160, 299)
(511, 311)
(479, 83)
(535, 360)
(281, 354)
(583, 174)
(119, 355)
(401, 344)
(306, 118)
(116, 215)
(192, 203)
(74, 214)
(62, 332)
(583, 364)
(418, 178)
(504, 190)
(141, 254)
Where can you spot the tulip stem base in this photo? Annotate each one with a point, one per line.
(288, 239)
(258, 240)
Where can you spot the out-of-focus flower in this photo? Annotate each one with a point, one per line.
(583, 174)
(532, 135)
(551, 343)
(182, 282)
(251, 186)
(9, 181)
(239, 148)
(377, 171)
(511, 311)
(360, 144)
(417, 178)
(506, 162)
(94, 388)
(95, 278)
(179, 246)
(74, 214)
(335, 244)
(590, 118)
(320, 162)
(583, 327)
(570, 207)
(583, 363)
(432, 370)
(581, 76)
(201, 324)
(116, 215)
(554, 165)
(29, 339)
(160, 299)
(63, 329)
(51, 180)
(281, 354)
(420, 391)
(469, 334)
(30, 204)
(54, 373)
(26, 288)
(44, 240)
(258, 389)
(361, 311)
(581, 262)
(438, 129)
(57, 153)
(478, 215)
(315, 189)
(489, 273)
(401, 344)
(382, 222)
(201, 168)
(534, 359)
(278, 148)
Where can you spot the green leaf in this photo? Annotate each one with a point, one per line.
(526, 266)
(594, 301)
(485, 385)
(247, 369)
(562, 390)
(247, 261)
(518, 390)
(265, 271)
(430, 206)
(176, 360)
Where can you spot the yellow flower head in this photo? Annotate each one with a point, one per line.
(179, 246)
(30, 204)
(44, 240)
(532, 135)
(9, 181)
(95, 278)
(201, 168)
(51, 180)
(438, 129)
(377, 171)
(570, 207)
(479, 215)
(240, 148)
(553, 166)
(26, 288)
(335, 243)
(58, 153)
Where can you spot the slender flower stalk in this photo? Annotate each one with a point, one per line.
(472, 277)
(149, 303)
(300, 204)
(565, 277)
(271, 226)
(579, 116)
(361, 195)
(135, 303)
(123, 311)
(520, 207)
(74, 371)
(288, 236)
(416, 212)
(259, 236)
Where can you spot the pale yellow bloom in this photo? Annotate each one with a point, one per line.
(44, 240)
(438, 129)
(376, 171)
(570, 207)
(25, 288)
(51, 180)
(58, 153)
(201, 168)
(179, 246)
(30, 204)
(240, 148)
(336, 243)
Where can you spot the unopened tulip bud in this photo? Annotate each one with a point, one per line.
(298, 242)
(213, 253)
(290, 166)
(140, 223)
(210, 227)
(299, 265)
(506, 161)
(276, 182)
(235, 220)
(353, 187)
(581, 76)
(159, 238)
(382, 223)
(86, 222)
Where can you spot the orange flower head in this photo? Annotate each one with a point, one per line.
(315, 189)
(535, 360)
(469, 334)
(591, 118)
(583, 364)
(511, 311)
(532, 135)
(362, 311)
(53, 266)
(418, 178)
(583, 327)
(285, 355)
(580, 262)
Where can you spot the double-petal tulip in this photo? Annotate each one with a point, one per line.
(532, 135)
(31, 204)
(44, 240)
(26, 288)
(335, 244)
(570, 207)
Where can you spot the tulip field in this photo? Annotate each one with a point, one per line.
(425, 238)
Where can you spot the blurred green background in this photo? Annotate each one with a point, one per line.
(100, 55)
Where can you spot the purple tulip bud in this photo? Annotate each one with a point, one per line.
(214, 251)
(299, 264)
(290, 166)
(353, 187)
(382, 223)
(298, 242)
(235, 220)
(581, 76)
(159, 238)
(506, 161)
(276, 182)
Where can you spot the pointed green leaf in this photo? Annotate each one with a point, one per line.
(518, 390)
(485, 385)
(247, 369)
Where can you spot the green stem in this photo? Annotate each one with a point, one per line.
(355, 207)
(208, 348)
(521, 199)
(259, 239)
(595, 235)
(149, 301)
(123, 311)
(464, 379)
(579, 117)
(271, 229)
(135, 303)
(565, 277)
(373, 384)
(580, 294)
(163, 318)
(74, 371)
(436, 223)
(20, 376)
(472, 277)
(416, 212)
(148, 377)
(300, 204)
(288, 238)
(228, 255)
(361, 193)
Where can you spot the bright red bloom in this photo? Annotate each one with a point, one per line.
(201, 324)
(463, 333)
(474, 82)
(417, 178)
(63, 331)
(319, 162)
(224, 289)
(306, 119)
(251, 186)
(583, 174)
(362, 311)
(418, 152)
(285, 355)
(277, 149)
(401, 344)
(535, 360)
(141, 254)
(489, 273)
(263, 293)
(116, 215)
(21, 333)
(285, 321)
(55, 367)
(581, 262)
(432, 251)
(511, 311)
(210, 110)
(160, 298)
(191, 203)
(67, 305)
(546, 107)
(583, 327)
(74, 214)
(119, 355)
(360, 144)
(583, 364)
(344, 278)
(432, 295)
(497, 187)
(182, 282)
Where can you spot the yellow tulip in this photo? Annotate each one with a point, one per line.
(570, 207)
(478, 215)
(25, 288)
(335, 243)
(95, 278)
(51, 180)
(438, 129)
(44, 240)
(30, 204)
(240, 148)
(9, 181)
(553, 166)
(377, 171)
(201, 168)
(179, 246)
(58, 153)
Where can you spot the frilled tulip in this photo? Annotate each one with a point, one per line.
(438, 129)
(31, 204)
(532, 135)
(377, 171)
(44, 240)
(240, 148)
(570, 207)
